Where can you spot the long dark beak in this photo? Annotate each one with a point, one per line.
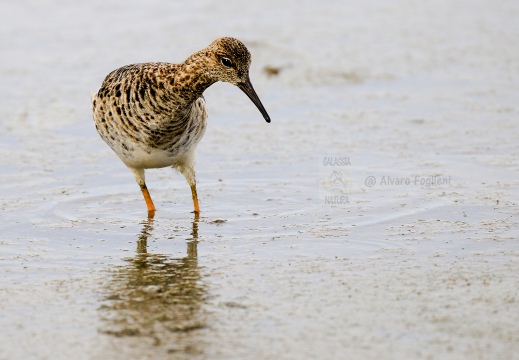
(247, 88)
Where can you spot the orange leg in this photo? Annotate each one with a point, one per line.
(195, 199)
(149, 202)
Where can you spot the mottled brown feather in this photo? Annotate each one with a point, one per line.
(153, 114)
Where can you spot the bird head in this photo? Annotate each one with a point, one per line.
(230, 62)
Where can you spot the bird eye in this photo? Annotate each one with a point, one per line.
(226, 62)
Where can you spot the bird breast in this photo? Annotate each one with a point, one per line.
(167, 141)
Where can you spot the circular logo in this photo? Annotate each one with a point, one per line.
(337, 182)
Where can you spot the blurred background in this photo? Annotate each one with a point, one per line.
(274, 268)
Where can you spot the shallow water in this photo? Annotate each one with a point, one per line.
(295, 255)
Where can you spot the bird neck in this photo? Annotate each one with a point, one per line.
(192, 77)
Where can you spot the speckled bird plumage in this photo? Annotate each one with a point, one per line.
(153, 114)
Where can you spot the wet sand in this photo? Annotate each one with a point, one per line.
(376, 217)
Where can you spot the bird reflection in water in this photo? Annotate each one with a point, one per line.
(156, 297)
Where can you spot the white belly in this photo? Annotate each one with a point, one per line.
(151, 158)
